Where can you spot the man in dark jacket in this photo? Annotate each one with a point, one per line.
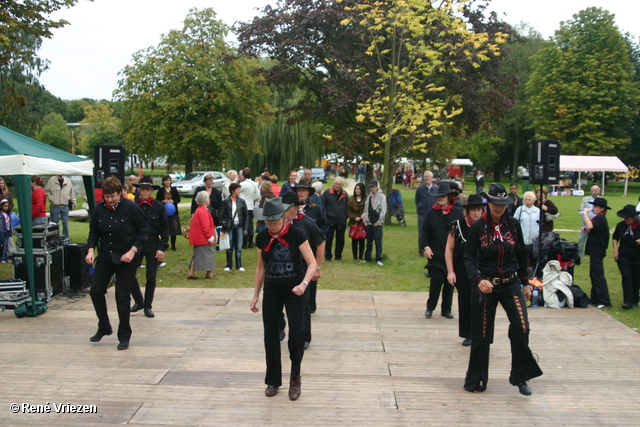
(425, 199)
(335, 204)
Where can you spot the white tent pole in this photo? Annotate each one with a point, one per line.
(626, 184)
(579, 180)
(603, 180)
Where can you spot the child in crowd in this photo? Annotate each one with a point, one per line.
(5, 230)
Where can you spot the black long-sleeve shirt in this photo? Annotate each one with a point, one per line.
(487, 255)
(435, 231)
(117, 229)
(158, 223)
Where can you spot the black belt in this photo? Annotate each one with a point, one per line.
(501, 280)
(153, 237)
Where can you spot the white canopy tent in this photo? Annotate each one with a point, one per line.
(595, 164)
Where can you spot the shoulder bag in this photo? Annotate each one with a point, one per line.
(187, 228)
(357, 231)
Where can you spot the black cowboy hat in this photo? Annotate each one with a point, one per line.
(273, 209)
(291, 199)
(146, 181)
(600, 201)
(305, 184)
(498, 195)
(475, 200)
(444, 189)
(455, 187)
(626, 212)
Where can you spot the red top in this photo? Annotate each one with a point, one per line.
(38, 203)
(202, 228)
(275, 188)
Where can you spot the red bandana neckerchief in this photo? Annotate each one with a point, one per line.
(147, 202)
(630, 229)
(446, 210)
(284, 230)
(469, 221)
(111, 208)
(298, 217)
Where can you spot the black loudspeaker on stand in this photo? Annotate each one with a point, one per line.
(76, 266)
(544, 161)
(108, 161)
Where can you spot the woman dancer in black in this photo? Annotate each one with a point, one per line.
(456, 272)
(435, 230)
(496, 264)
(282, 252)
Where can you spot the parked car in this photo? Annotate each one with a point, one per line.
(523, 173)
(193, 180)
(318, 174)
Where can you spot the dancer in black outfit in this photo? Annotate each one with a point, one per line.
(435, 229)
(456, 272)
(317, 242)
(626, 251)
(282, 252)
(596, 247)
(496, 263)
(154, 248)
(121, 228)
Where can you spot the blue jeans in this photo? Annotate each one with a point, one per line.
(374, 233)
(58, 212)
(235, 235)
(41, 220)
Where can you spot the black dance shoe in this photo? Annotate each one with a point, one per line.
(98, 336)
(524, 388)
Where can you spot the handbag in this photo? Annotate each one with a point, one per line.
(550, 217)
(357, 231)
(187, 228)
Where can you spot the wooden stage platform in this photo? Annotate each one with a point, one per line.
(374, 360)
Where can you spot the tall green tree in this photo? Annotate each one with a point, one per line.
(320, 47)
(582, 89)
(515, 128)
(99, 127)
(54, 132)
(23, 26)
(192, 97)
(284, 143)
(413, 42)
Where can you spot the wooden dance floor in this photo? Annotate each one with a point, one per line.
(374, 360)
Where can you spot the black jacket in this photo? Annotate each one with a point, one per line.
(226, 214)
(335, 207)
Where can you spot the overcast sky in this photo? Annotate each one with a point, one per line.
(87, 54)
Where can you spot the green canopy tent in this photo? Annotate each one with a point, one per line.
(22, 157)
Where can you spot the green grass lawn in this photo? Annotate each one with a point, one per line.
(403, 269)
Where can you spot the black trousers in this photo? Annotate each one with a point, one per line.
(357, 246)
(599, 287)
(124, 275)
(339, 233)
(483, 312)
(148, 253)
(274, 299)
(439, 283)
(307, 312)
(464, 302)
(630, 272)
